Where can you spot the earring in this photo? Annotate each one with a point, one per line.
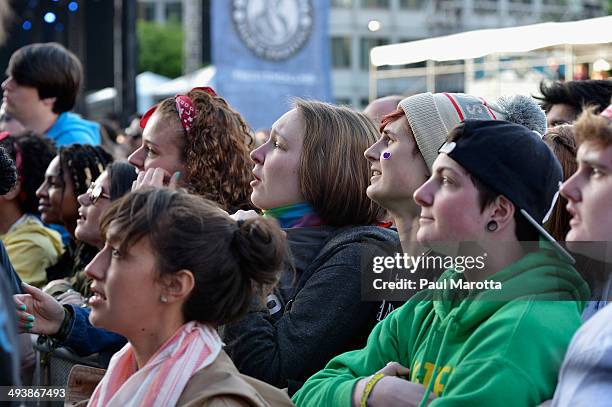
(163, 298)
(492, 226)
(386, 155)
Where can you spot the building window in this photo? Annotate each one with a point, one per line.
(341, 52)
(146, 11)
(342, 3)
(411, 4)
(375, 3)
(174, 12)
(485, 6)
(366, 45)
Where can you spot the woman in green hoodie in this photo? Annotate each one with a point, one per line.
(500, 342)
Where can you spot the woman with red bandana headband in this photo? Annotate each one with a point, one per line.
(200, 142)
(196, 141)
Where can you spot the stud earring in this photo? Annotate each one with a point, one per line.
(386, 155)
(492, 226)
(163, 298)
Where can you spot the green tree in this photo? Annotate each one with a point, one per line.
(160, 48)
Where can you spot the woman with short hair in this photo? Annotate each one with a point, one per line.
(311, 177)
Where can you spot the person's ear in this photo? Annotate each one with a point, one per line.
(500, 214)
(177, 286)
(13, 193)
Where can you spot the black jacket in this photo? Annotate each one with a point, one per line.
(316, 312)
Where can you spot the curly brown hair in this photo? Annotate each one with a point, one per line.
(215, 152)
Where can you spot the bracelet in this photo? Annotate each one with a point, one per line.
(63, 331)
(368, 388)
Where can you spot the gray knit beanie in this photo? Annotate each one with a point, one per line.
(432, 115)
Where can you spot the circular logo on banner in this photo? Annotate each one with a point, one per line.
(273, 29)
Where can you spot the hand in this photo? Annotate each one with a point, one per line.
(244, 215)
(156, 178)
(38, 312)
(71, 297)
(392, 390)
(395, 369)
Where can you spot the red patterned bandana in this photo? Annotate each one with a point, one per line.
(184, 106)
(186, 111)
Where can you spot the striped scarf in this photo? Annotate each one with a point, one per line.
(163, 378)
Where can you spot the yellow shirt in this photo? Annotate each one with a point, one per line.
(32, 248)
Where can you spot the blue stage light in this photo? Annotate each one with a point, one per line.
(27, 25)
(73, 6)
(50, 17)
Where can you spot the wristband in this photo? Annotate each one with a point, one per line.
(62, 333)
(368, 388)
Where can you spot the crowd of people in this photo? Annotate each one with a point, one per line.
(211, 265)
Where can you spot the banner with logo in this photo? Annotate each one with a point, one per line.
(268, 51)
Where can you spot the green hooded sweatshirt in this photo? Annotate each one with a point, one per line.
(480, 350)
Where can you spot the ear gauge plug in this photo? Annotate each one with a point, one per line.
(386, 155)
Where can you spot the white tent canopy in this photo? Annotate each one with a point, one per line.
(476, 44)
(147, 84)
(182, 84)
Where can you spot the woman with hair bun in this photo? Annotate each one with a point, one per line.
(196, 141)
(173, 268)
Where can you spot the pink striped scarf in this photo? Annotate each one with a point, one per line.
(162, 379)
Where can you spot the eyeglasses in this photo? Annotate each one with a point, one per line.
(96, 193)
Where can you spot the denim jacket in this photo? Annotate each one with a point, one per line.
(85, 339)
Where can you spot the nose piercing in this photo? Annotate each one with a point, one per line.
(386, 155)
